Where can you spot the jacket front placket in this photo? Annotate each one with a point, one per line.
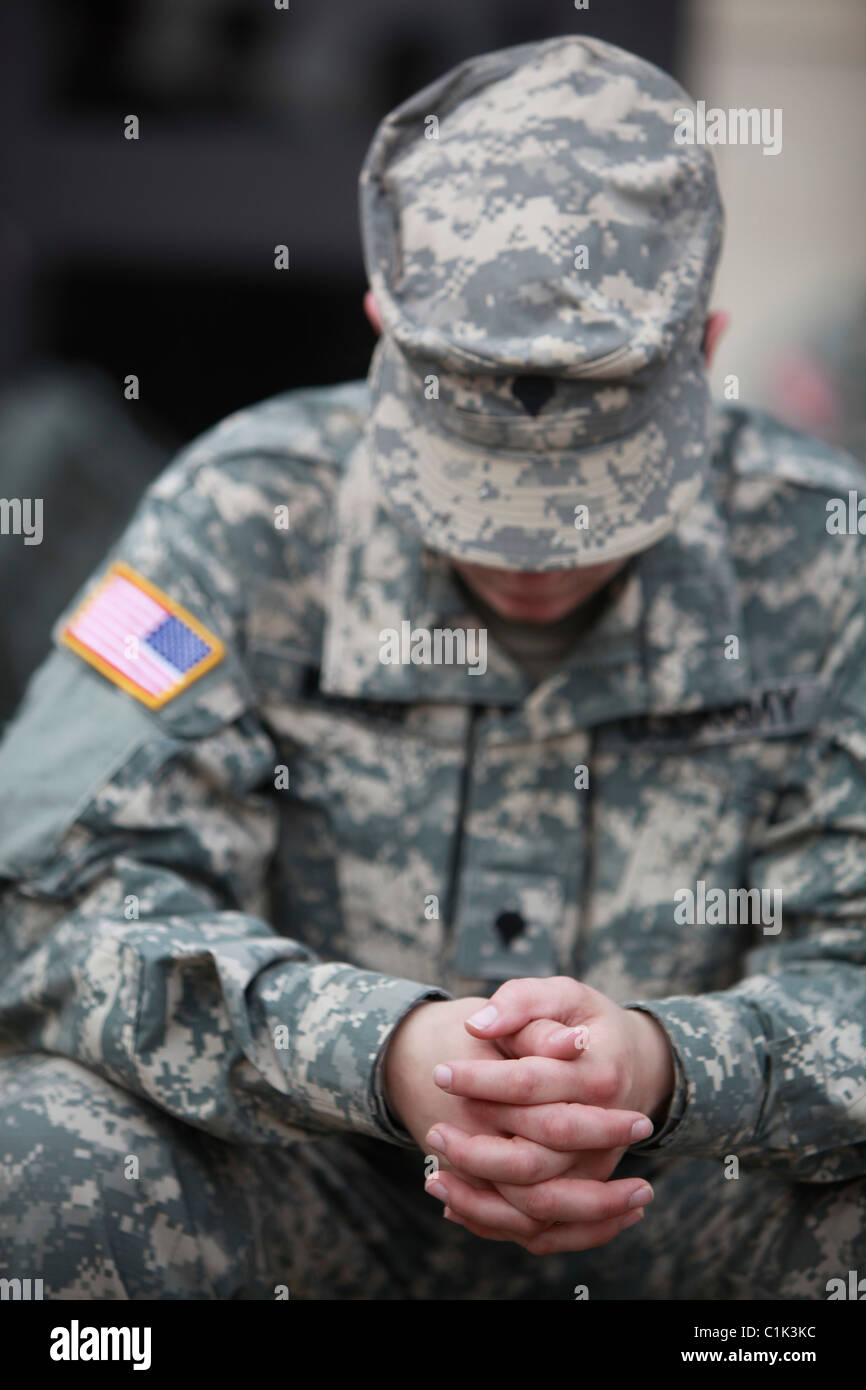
(520, 839)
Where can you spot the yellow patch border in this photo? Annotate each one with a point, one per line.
(177, 609)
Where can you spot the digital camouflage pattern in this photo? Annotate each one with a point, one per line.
(346, 1217)
(216, 913)
(541, 258)
(259, 906)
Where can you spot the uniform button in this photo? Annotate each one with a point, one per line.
(510, 925)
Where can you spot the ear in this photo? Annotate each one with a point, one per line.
(372, 312)
(714, 330)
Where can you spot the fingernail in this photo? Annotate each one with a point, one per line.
(632, 1220)
(484, 1017)
(437, 1190)
(434, 1140)
(442, 1076)
(641, 1198)
(641, 1129)
(565, 1035)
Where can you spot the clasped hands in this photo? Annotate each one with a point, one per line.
(528, 1100)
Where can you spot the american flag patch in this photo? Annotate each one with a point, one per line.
(140, 638)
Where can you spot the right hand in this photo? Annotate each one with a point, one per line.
(434, 1032)
(427, 1035)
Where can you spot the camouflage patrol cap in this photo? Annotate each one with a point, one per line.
(541, 251)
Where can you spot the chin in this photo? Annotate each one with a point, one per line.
(540, 612)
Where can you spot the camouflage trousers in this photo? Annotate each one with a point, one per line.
(346, 1217)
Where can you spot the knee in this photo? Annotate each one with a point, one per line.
(90, 1198)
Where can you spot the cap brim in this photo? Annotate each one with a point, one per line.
(520, 510)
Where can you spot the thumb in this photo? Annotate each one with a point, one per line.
(545, 1037)
(519, 1002)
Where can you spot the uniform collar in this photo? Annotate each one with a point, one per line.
(659, 646)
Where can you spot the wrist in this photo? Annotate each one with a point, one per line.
(655, 1072)
(415, 1045)
(397, 1049)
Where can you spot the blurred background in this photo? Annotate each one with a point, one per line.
(155, 257)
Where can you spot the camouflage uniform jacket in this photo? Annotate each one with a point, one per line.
(239, 951)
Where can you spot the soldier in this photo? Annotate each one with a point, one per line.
(410, 796)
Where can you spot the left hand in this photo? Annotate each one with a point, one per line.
(552, 1096)
(623, 1056)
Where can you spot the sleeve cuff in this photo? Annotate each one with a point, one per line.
(342, 1027)
(719, 1085)
(389, 1126)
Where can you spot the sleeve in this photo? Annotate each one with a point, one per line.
(773, 1070)
(135, 848)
